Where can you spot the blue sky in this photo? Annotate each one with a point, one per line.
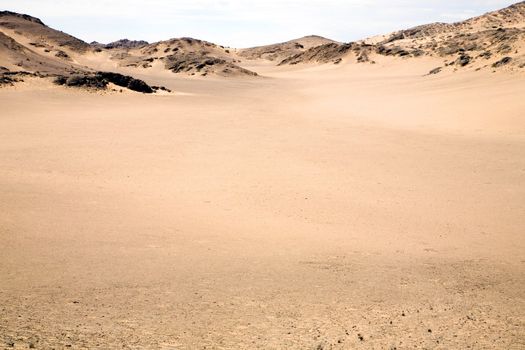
(244, 23)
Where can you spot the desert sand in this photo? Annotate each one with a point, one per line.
(315, 206)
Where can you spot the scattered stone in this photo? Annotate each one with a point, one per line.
(504, 48)
(7, 80)
(504, 61)
(435, 71)
(162, 88)
(392, 51)
(62, 54)
(463, 60)
(486, 55)
(37, 45)
(363, 58)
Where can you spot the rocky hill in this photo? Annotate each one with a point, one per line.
(14, 57)
(184, 56)
(491, 41)
(36, 33)
(31, 45)
(281, 51)
(30, 49)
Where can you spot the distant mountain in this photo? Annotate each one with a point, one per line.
(280, 51)
(122, 44)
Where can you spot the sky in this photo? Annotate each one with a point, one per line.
(241, 23)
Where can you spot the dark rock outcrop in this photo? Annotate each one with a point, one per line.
(6, 80)
(100, 80)
(80, 80)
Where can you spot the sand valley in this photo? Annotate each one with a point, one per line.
(304, 195)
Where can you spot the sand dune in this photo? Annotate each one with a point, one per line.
(314, 206)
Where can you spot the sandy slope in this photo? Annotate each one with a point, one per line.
(338, 207)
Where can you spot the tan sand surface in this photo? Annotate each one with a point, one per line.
(328, 207)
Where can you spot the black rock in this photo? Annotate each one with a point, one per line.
(504, 61)
(60, 80)
(86, 81)
(463, 60)
(486, 54)
(6, 80)
(140, 86)
(100, 80)
(62, 54)
(126, 81)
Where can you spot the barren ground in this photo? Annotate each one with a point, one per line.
(345, 207)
